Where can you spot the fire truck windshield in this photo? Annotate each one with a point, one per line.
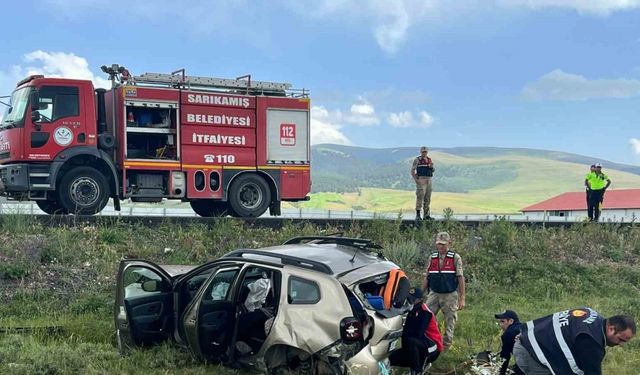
(14, 115)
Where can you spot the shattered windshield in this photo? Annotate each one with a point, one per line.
(14, 115)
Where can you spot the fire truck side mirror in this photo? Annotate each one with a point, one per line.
(34, 99)
(35, 116)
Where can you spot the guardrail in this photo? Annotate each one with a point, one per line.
(134, 210)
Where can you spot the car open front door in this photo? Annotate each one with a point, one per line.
(209, 320)
(144, 305)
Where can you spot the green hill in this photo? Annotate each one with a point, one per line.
(468, 180)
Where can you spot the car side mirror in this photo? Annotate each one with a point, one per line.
(34, 99)
(151, 286)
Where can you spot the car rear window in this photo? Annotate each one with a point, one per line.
(302, 291)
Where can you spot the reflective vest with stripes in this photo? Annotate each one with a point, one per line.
(551, 340)
(443, 280)
(424, 167)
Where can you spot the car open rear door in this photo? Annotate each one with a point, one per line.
(209, 320)
(143, 310)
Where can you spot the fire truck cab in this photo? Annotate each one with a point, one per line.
(226, 146)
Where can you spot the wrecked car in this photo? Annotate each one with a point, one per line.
(314, 305)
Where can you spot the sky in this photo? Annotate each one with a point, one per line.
(545, 74)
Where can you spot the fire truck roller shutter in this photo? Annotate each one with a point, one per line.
(288, 136)
(249, 195)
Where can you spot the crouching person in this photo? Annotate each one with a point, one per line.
(421, 339)
(510, 325)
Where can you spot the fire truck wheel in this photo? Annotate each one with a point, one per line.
(51, 207)
(83, 191)
(249, 196)
(210, 208)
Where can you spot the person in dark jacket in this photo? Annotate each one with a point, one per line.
(510, 324)
(421, 339)
(570, 342)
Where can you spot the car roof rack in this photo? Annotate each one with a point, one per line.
(360, 243)
(284, 259)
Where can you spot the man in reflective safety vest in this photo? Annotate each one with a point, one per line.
(445, 283)
(570, 342)
(421, 339)
(597, 184)
(422, 170)
(587, 177)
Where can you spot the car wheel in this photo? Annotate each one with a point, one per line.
(249, 196)
(83, 191)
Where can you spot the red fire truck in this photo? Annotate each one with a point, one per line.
(226, 146)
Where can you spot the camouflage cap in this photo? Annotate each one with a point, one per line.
(443, 237)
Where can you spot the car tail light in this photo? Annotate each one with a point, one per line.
(350, 329)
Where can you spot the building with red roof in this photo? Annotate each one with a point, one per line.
(618, 205)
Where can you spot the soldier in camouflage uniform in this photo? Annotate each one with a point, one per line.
(422, 170)
(445, 283)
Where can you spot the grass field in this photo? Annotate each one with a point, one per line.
(65, 277)
(537, 179)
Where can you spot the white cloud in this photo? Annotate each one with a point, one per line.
(406, 119)
(558, 85)
(362, 109)
(324, 128)
(394, 22)
(50, 64)
(425, 119)
(54, 64)
(362, 113)
(635, 145)
(400, 119)
(389, 21)
(596, 7)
